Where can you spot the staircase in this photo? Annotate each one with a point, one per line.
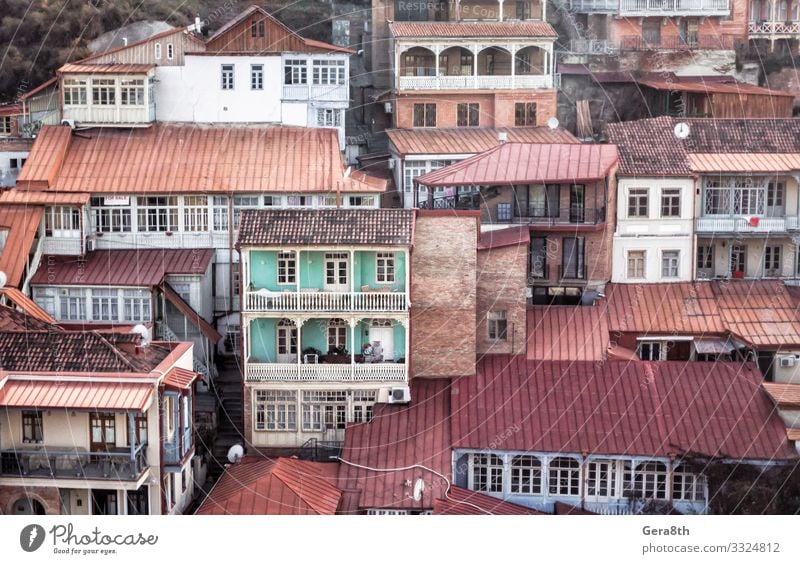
(230, 413)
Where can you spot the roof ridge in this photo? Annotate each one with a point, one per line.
(115, 350)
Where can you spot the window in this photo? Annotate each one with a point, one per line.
(329, 72)
(157, 51)
(329, 201)
(705, 257)
(32, 428)
(687, 485)
(637, 202)
(363, 404)
(74, 91)
(738, 258)
(361, 201)
(525, 113)
(734, 196)
(287, 268)
(61, 218)
(496, 325)
(104, 91)
(636, 264)
(243, 203)
(487, 473)
(670, 264)
(650, 480)
(13, 164)
(385, 268)
(110, 219)
(227, 77)
(564, 476)
(73, 304)
(273, 201)
(157, 213)
(170, 51)
(772, 260)
(105, 304)
(46, 298)
(195, 213)
(257, 77)
(276, 410)
(600, 481)
(324, 409)
(468, 115)
(327, 117)
(424, 115)
(775, 194)
(526, 475)
(671, 202)
(219, 211)
(140, 430)
(295, 71)
(652, 350)
(183, 481)
(136, 305)
(524, 9)
(503, 211)
(6, 125)
(337, 334)
(336, 269)
(573, 258)
(299, 201)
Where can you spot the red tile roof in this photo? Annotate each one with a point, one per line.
(27, 305)
(105, 68)
(50, 394)
(784, 395)
(339, 226)
(567, 333)
(618, 408)
(461, 501)
(122, 267)
(523, 163)
(508, 237)
(525, 30)
(470, 140)
(13, 320)
(398, 442)
(22, 223)
(286, 486)
(175, 158)
(179, 378)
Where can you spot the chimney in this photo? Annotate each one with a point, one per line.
(125, 41)
(502, 136)
(197, 24)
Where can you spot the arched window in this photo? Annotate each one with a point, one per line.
(526, 475)
(487, 473)
(27, 506)
(564, 476)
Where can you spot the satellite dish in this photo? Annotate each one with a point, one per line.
(419, 487)
(682, 130)
(144, 332)
(235, 454)
(552, 123)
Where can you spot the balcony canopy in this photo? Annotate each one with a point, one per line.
(51, 394)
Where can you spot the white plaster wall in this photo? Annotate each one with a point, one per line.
(295, 113)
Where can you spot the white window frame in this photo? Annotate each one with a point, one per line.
(249, 202)
(668, 198)
(646, 350)
(75, 88)
(336, 333)
(637, 196)
(329, 117)
(195, 214)
(385, 268)
(165, 217)
(527, 475)
(497, 325)
(484, 469)
(295, 72)
(170, 51)
(630, 268)
(131, 92)
(219, 212)
(157, 51)
(227, 76)
(328, 72)
(647, 480)
(670, 264)
(559, 469)
(257, 77)
(275, 410)
(104, 92)
(324, 409)
(287, 268)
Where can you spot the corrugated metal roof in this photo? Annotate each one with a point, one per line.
(179, 378)
(285, 486)
(181, 158)
(469, 140)
(784, 395)
(22, 223)
(527, 30)
(522, 163)
(122, 267)
(326, 227)
(50, 394)
(27, 305)
(793, 434)
(618, 408)
(743, 162)
(708, 87)
(29, 197)
(567, 333)
(497, 238)
(105, 68)
(461, 501)
(399, 436)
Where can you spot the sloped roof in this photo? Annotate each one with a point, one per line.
(525, 29)
(339, 226)
(106, 68)
(27, 306)
(51, 394)
(179, 378)
(567, 333)
(286, 486)
(508, 237)
(36, 198)
(738, 162)
(469, 140)
(786, 396)
(22, 223)
(461, 501)
(13, 320)
(619, 408)
(703, 86)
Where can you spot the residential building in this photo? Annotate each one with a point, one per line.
(95, 424)
(770, 24)
(325, 319)
(564, 194)
(13, 154)
(745, 209)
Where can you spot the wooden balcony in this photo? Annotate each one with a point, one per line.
(351, 372)
(779, 30)
(479, 82)
(667, 8)
(74, 463)
(319, 301)
(329, 93)
(724, 224)
(594, 6)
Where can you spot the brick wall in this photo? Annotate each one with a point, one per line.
(708, 29)
(48, 497)
(443, 295)
(379, 44)
(501, 284)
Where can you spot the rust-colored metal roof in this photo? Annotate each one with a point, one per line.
(181, 158)
(341, 226)
(27, 305)
(10, 109)
(708, 87)
(523, 163)
(574, 333)
(744, 162)
(22, 223)
(105, 68)
(37, 198)
(793, 434)
(122, 267)
(618, 408)
(784, 395)
(437, 30)
(180, 378)
(469, 140)
(399, 436)
(461, 501)
(286, 486)
(190, 314)
(39, 88)
(52, 394)
(508, 237)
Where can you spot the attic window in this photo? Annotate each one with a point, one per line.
(257, 28)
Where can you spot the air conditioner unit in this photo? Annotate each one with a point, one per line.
(69, 122)
(387, 107)
(90, 244)
(786, 361)
(400, 395)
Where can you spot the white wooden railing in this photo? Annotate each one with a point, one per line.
(62, 246)
(264, 300)
(332, 92)
(475, 82)
(695, 7)
(770, 28)
(377, 372)
(163, 240)
(591, 6)
(712, 224)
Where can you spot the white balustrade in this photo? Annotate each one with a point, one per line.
(482, 82)
(265, 300)
(770, 28)
(698, 7)
(377, 372)
(712, 224)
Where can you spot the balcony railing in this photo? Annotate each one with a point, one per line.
(713, 224)
(562, 216)
(266, 300)
(73, 463)
(471, 82)
(594, 6)
(712, 43)
(373, 372)
(332, 92)
(774, 28)
(674, 7)
(593, 47)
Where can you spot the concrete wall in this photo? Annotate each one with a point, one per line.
(501, 284)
